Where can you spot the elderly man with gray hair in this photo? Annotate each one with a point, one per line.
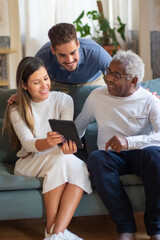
(128, 119)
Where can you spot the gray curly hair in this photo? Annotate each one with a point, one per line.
(134, 65)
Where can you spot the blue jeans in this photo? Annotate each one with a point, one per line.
(105, 167)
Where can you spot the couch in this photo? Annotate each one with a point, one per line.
(21, 198)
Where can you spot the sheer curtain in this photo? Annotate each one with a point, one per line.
(38, 16)
(128, 10)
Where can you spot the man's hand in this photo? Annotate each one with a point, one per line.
(12, 99)
(153, 93)
(117, 143)
(69, 147)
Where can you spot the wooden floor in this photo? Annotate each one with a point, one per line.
(89, 228)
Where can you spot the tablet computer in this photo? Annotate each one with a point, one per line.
(67, 129)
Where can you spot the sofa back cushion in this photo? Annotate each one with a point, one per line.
(153, 85)
(79, 95)
(6, 155)
(4, 96)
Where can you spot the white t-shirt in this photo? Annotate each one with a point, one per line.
(136, 117)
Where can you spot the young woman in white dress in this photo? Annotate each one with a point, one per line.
(65, 176)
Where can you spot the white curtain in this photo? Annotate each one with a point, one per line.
(38, 16)
(128, 10)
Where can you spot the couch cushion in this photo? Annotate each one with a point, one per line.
(6, 154)
(152, 85)
(130, 180)
(91, 137)
(79, 95)
(4, 95)
(9, 181)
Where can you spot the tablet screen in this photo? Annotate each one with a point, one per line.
(67, 129)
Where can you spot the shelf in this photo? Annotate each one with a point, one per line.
(4, 83)
(7, 50)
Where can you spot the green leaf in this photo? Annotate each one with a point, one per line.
(121, 29)
(104, 25)
(78, 28)
(80, 16)
(109, 34)
(94, 15)
(86, 30)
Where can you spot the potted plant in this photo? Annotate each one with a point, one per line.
(103, 33)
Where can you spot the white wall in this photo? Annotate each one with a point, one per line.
(144, 36)
(154, 12)
(14, 58)
(149, 15)
(4, 18)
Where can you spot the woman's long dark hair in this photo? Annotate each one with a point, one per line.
(26, 67)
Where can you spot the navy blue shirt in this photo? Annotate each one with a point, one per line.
(92, 63)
